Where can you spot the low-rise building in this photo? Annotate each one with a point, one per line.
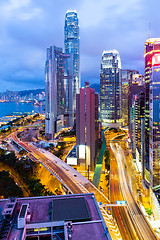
(75, 217)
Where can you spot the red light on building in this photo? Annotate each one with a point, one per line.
(135, 97)
(156, 59)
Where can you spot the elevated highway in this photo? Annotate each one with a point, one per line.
(70, 178)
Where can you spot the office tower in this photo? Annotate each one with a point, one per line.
(125, 103)
(51, 93)
(71, 45)
(136, 86)
(127, 79)
(87, 126)
(141, 127)
(68, 88)
(59, 90)
(136, 126)
(152, 112)
(58, 56)
(110, 87)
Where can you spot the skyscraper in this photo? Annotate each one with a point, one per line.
(110, 87)
(136, 88)
(127, 80)
(71, 45)
(152, 112)
(59, 88)
(51, 93)
(87, 126)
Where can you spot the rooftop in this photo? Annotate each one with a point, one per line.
(71, 209)
(76, 215)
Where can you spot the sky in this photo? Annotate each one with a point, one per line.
(28, 27)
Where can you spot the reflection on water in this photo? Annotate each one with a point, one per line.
(9, 108)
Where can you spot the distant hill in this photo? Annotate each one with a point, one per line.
(40, 90)
(37, 91)
(27, 92)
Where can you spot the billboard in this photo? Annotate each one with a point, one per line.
(72, 161)
(156, 59)
(82, 151)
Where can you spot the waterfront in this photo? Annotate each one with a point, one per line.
(10, 108)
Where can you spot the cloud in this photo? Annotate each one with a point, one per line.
(28, 27)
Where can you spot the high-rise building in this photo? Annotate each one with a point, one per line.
(152, 112)
(136, 124)
(51, 93)
(71, 45)
(59, 89)
(87, 126)
(136, 88)
(68, 88)
(110, 87)
(127, 80)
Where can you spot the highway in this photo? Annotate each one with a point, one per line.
(120, 213)
(70, 178)
(131, 221)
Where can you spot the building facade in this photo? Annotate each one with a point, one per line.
(59, 89)
(71, 45)
(152, 112)
(110, 87)
(127, 80)
(135, 89)
(136, 124)
(87, 127)
(51, 93)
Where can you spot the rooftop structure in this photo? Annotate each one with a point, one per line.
(75, 217)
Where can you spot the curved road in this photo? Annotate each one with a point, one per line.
(73, 180)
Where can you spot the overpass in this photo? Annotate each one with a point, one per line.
(70, 179)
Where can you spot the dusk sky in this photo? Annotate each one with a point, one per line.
(28, 27)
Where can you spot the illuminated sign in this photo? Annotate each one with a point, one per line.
(72, 161)
(156, 59)
(82, 151)
(121, 202)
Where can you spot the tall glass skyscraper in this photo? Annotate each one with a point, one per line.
(71, 45)
(51, 93)
(59, 88)
(152, 112)
(110, 87)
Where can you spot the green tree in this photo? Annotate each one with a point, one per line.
(149, 211)
(107, 177)
(8, 187)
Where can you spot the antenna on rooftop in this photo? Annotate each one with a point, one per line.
(149, 30)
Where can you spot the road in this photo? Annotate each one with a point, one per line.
(131, 221)
(70, 178)
(73, 180)
(119, 213)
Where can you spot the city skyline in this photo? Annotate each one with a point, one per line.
(28, 27)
